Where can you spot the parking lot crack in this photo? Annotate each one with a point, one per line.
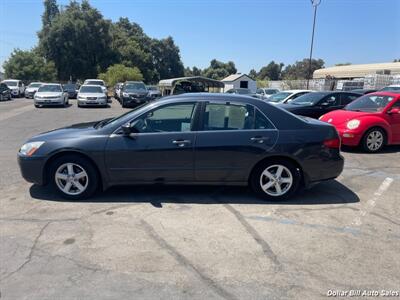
(31, 252)
(256, 236)
(186, 263)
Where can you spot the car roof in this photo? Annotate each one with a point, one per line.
(95, 79)
(93, 85)
(296, 91)
(51, 83)
(223, 97)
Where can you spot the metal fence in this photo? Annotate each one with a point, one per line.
(372, 81)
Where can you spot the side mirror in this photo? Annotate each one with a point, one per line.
(129, 130)
(394, 111)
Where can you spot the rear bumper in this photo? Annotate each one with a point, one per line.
(323, 170)
(32, 169)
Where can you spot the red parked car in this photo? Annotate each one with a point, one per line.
(371, 121)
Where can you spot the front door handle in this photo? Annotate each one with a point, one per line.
(181, 143)
(259, 139)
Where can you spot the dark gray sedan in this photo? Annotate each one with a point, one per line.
(187, 139)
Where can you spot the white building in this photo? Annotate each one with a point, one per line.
(236, 81)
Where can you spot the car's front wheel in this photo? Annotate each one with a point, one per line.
(74, 177)
(275, 180)
(374, 140)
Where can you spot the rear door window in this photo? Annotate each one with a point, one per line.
(228, 116)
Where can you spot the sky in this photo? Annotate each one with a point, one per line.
(249, 32)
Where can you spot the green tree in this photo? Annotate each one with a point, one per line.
(77, 41)
(219, 70)
(120, 73)
(29, 66)
(253, 73)
(300, 69)
(272, 71)
(166, 58)
(343, 64)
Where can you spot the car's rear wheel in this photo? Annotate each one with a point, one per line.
(74, 177)
(374, 140)
(275, 180)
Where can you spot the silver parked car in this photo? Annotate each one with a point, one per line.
(154, 92)
(51, 94)
(32, 88)
(91, 95)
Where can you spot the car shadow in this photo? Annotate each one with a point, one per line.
(95, 106)
(329, 192)
(386, 149)
(55, 106)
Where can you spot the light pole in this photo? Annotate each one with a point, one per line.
(315, 4)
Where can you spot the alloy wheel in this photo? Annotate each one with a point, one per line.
(276, 180)
(374, 140)
(71, 179)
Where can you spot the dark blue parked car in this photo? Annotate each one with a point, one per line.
(187, 139)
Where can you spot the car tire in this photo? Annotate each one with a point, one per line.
(374, 140)
(62, 176)
(123, 103)
(266, 184)
(37, 106)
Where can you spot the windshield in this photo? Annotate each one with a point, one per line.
(121, 117)
(369, 103)
(70, 86)
(50, 88)
(90, 89)
(95, 82)
(270, 92)
(10, 83)
(279, 97)
(35, 85)
(152, 88)
(135, 86)
(309, 99)
(391, 88)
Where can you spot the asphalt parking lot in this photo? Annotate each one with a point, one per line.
(193, 242)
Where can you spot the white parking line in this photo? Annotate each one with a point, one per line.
(371, 203)
(15, 112)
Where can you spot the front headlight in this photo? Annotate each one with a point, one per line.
(353, 124)
(30, 148)
(125, 94)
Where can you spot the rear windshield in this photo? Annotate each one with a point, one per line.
(50, 88)
(309, 98)
(90, 89)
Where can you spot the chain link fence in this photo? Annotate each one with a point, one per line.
(372, 81)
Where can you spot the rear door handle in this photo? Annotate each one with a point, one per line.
(181, 143)
(259, 139)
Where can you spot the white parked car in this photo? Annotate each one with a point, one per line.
(265, 93)
(393, 87)
(51, 94)
(16, 86)
(91, 95)
(32, 88)
(97, 82)
(286, 96)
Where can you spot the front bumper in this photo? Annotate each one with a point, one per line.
(131, 101)
(92, 102)
(49, 101)
(32, 169)
(349, 137)
(29, 94)
(14, 92)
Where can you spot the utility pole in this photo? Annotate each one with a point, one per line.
(315, 4)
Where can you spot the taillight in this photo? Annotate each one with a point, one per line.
(332, 143)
